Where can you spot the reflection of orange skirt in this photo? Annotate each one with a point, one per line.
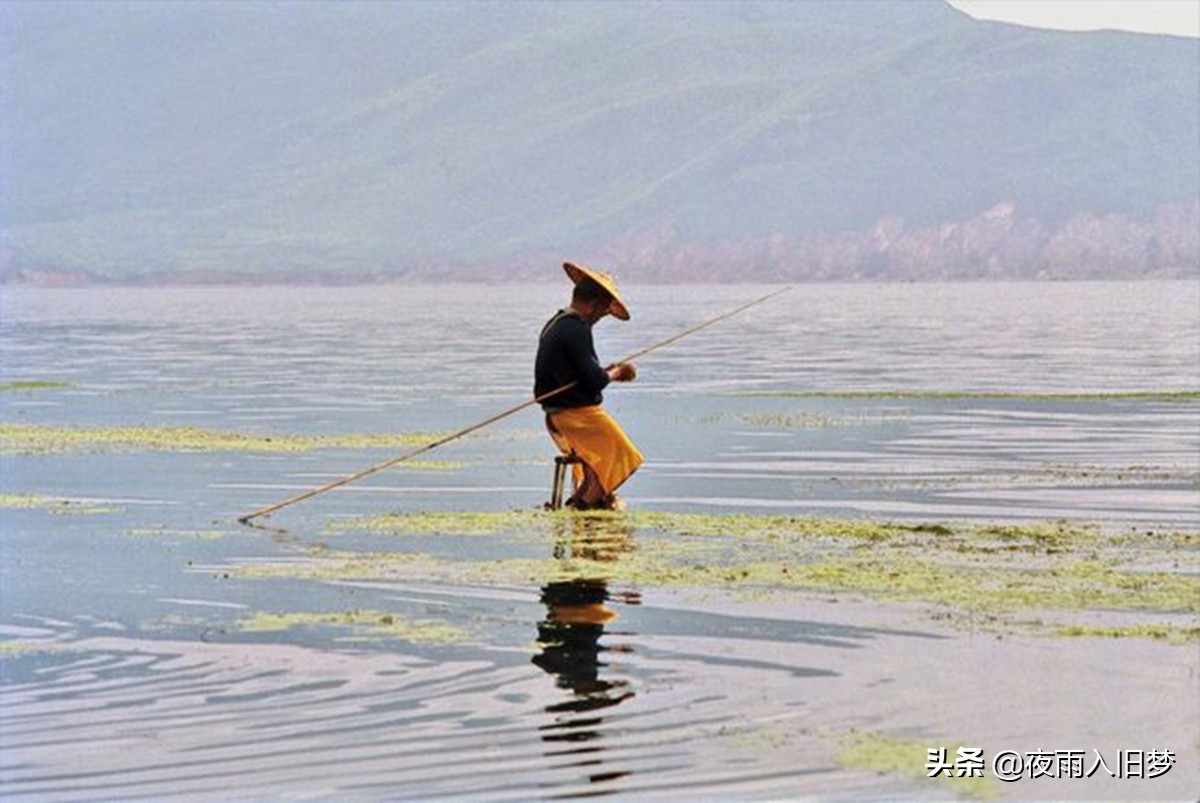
(598, 440)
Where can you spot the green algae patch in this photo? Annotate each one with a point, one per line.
(324, 565)
(746, 526)
(28, 385)
(888, 755)
(15, 649)
(449, 523)
(27, 501)
(33, 439)
(1039, 538)
(363, 625)
(432, 466)
(994, 589)
(1170, 633)
(167, 532)
(733, 526)
(981, 395)
(804, 420)
(58, 506)
(972, 574)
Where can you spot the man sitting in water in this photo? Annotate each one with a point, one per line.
(577, 422)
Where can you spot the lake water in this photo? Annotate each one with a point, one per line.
(917, 403)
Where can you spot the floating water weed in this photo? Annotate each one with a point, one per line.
(164, 532)
(1051, 476)
(1056, 535)
(789, 420)
(744, 525)
(29, 439)
(13, 649)
(28, 501)
(736, 526)
(982, 395)
(330, 565)
(909, 757)
(814, 420)
(448, 523)
(30, 385)
(60, 506)
(1172, 633)
(988, 570)
(365, 624)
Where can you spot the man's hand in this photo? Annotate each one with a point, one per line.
(622, 372)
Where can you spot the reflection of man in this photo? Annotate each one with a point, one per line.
(570, 641)
(570, 637)
(577, 422)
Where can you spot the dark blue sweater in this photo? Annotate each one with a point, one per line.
(566, 354)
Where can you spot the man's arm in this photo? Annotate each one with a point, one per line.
(580, 351)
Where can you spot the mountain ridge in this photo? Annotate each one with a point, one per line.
(470, 139)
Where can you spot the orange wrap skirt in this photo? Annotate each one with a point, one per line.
(599, 441)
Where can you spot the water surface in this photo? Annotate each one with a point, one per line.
(133, 672)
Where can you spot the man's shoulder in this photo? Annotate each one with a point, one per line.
(564, 322)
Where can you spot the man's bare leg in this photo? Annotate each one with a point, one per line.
(590, 492)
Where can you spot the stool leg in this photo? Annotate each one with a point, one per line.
(556, 491)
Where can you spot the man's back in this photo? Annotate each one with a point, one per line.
(566, 354)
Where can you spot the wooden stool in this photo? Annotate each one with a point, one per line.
(560, 479)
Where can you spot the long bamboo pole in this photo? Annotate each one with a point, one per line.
(329, 486)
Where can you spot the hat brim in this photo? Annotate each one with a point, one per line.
(578, 273)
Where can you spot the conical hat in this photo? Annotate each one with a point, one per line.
(578, 273)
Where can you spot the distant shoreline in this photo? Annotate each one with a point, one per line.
(52, 280)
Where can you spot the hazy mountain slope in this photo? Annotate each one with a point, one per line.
(370, 137)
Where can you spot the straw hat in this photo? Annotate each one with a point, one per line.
(578, 273)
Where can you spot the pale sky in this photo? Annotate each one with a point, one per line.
(1179, 17)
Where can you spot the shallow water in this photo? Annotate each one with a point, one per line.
(132, 671)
